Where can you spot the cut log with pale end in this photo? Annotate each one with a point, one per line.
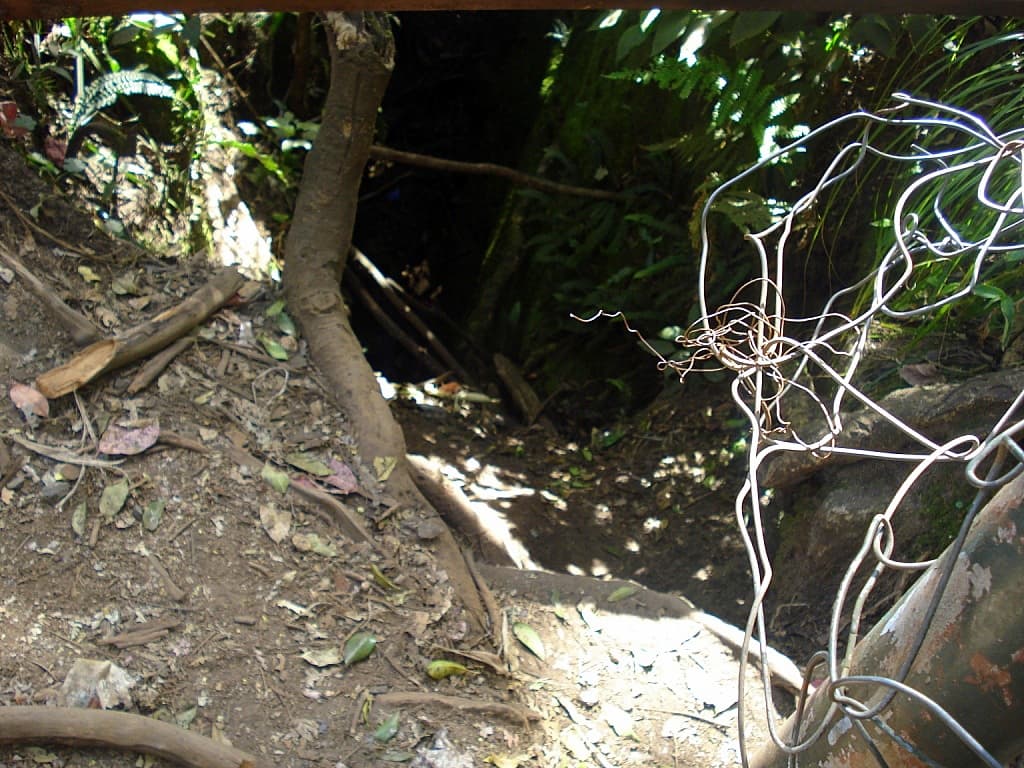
(143, 340)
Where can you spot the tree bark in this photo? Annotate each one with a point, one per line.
(317, 247)
(362, 57)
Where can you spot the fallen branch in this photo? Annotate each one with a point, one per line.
(159, 363)
(419, 698)
(525, 399)
(393, 329)
(117, 352)
(118, 730)
(397, 296)
(80, 327)
(491, 169)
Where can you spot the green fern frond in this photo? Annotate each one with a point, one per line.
(105, 90)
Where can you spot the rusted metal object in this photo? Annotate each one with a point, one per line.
(971, 663)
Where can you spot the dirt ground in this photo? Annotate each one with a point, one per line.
(227, 606)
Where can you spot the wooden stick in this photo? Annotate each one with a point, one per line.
(394, 329)
(153, 335)
(491, 169)
(394, 294)
(118, 730)
(420, 698)
(79, 326)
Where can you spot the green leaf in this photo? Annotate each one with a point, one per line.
(308, 464)
(528, 636)
(630, 40)
(626, 590)
(153, 514)
(273, 348)
(285, 324)
(275, 478)
(113, 499)
(439, 669)
(358, 648)
(670, 27)
(387, 729)
(750, 24)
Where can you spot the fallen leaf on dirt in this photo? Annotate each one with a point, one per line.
(88, 274)
(311, 542)
(439, 669)
(273, 348)
(384, 466)
(309, 464)
(275, 478)
(124, 285)
(29, 401)
(342, 477)
(276, 522)
(185, 717)
(623, 592)
(358, 647)
(507, 761)
(96, 683)
(113, 498)
(528, 636)
(295, 608)
(129, 441)
(387, 729)
(153, 514)
(322, 657)
(78, 520)
(381, 579)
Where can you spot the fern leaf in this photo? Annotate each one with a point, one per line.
(105, 90)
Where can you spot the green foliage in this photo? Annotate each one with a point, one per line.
(978, 68)
(748, 82)
(104, 91)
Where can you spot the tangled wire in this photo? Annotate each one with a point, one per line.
(777, 360)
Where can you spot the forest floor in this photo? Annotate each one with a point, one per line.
(224, 605)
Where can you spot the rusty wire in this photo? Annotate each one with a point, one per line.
(776, 358)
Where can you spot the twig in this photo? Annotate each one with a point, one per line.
(394, 329)
(156, 364)
(78, 325)
(67, 456)
(176, 593)
(39, 230)
(396, 295)
(419, 698)
(491, 169)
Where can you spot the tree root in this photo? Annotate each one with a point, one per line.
(118, 730)
(421, 698)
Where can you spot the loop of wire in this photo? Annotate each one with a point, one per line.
(776, 359)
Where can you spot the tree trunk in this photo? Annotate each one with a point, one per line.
(362, 57)
(317, 247)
